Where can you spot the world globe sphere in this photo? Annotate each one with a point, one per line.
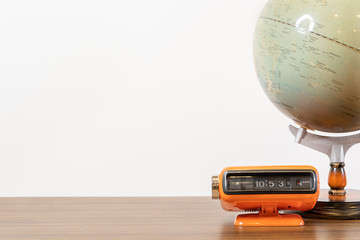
(307, 59)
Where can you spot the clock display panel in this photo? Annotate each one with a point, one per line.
(269, 181)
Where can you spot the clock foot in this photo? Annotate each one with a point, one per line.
(279, 220)
(268, 216)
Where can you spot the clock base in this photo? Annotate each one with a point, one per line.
(268, 220)
(336, 207)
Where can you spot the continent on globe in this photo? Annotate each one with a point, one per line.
(307, 58)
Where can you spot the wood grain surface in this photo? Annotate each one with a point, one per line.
(145, 218)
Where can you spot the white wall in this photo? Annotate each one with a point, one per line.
(135, 98)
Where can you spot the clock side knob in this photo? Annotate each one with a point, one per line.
(215, 187)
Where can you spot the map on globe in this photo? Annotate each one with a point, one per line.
(307, 58)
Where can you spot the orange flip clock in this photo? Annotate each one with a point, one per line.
(260, 192)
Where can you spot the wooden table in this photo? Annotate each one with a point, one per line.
(145, 218)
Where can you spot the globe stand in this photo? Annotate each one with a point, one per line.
(336, 203)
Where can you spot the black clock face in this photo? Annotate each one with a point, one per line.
(269, 181)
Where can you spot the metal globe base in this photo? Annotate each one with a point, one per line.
(336, 207)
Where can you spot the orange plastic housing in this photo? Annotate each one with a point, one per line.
(268, 204)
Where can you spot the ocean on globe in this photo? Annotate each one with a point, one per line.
(307, 58)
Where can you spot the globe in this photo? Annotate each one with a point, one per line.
(307, 59)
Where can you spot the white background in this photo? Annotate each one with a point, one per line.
(135, 98)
